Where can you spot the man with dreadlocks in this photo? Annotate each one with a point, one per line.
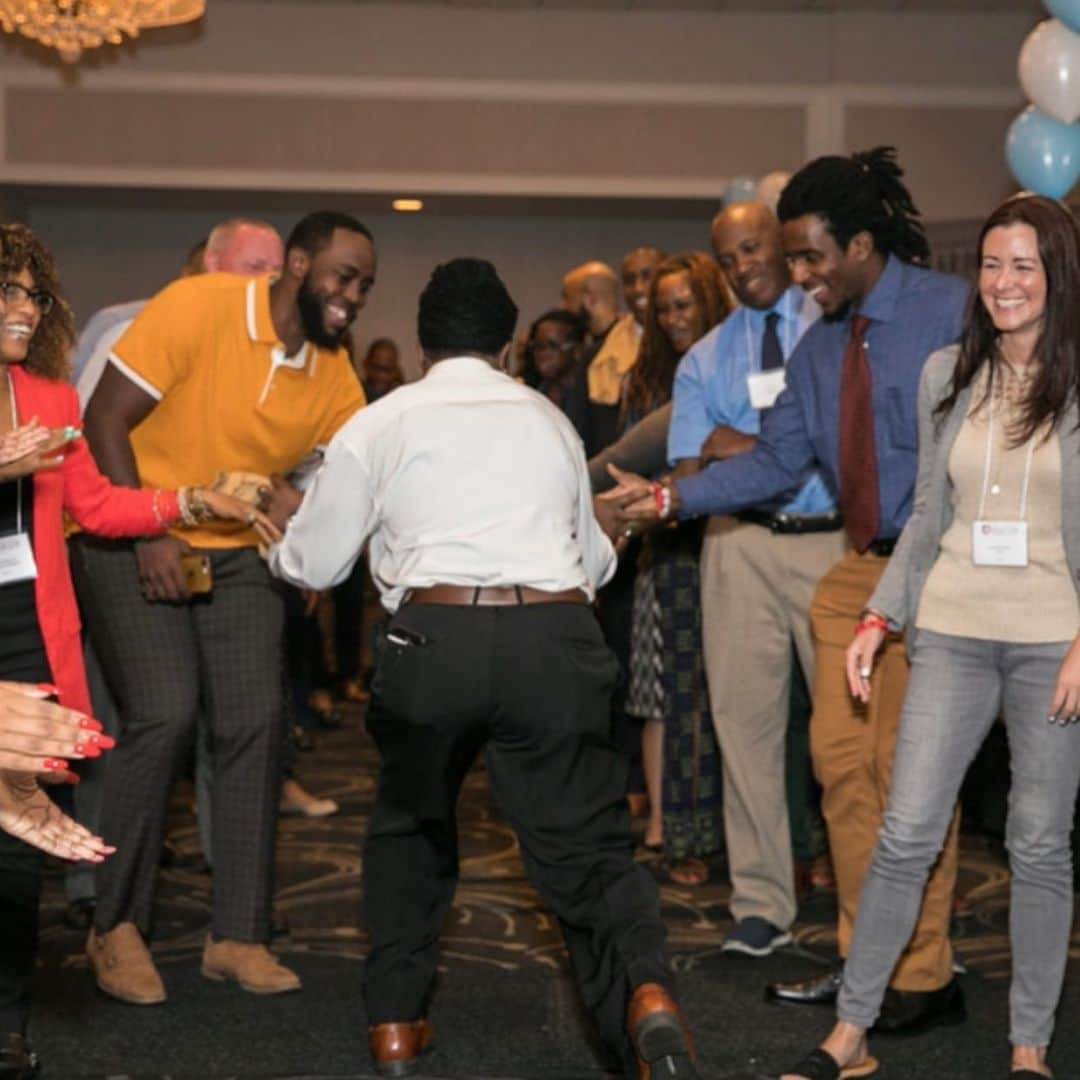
(854, 242)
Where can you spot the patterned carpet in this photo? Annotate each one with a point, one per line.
(506, 1007)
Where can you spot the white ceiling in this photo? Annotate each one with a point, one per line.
(1032, 7)
(1024, 7)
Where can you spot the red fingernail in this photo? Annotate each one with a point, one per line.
(89, 724)
(105, 742)
(47, 688)
(55, 764)
(90, 750)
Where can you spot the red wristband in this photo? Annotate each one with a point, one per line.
(870, 621)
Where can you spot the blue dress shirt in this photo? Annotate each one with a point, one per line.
(913, 312)
(711, 386)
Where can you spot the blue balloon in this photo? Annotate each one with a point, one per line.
(1068, 11)
(1043, 153)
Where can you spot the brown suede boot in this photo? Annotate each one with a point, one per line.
(122, 965)
(659, 1035)
(253, 966)
(396, 1048)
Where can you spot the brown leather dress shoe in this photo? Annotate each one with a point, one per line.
(396, 1048)
(659, 1035)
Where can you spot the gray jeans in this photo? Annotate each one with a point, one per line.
(956, 689)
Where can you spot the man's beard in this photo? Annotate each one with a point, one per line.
(311, 318)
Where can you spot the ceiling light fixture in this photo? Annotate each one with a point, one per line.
(70, 26)
(408, 206)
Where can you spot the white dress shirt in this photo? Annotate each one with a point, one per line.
(463, 478)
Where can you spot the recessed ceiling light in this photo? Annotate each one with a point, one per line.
(408, 206)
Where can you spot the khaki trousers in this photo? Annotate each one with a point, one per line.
(852, 746)
(756, 588)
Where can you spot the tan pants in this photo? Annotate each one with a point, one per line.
(852, 746)
(756, 588)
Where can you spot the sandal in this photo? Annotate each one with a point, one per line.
(689, 871)
(821, 1065)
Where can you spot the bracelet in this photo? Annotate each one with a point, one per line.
(157, 509)
(871, 620)
(193, 509)
(662, 498)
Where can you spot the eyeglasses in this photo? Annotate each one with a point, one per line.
(552, 346)
(11, 292)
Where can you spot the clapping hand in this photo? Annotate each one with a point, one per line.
(26, 449)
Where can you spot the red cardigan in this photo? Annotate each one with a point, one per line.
(78, 487)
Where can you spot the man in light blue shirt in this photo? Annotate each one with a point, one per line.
(758, 568)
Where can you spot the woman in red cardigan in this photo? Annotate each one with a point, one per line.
(52, 474)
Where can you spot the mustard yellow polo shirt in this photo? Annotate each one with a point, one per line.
(228, 397)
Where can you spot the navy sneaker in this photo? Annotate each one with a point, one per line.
(755, 937)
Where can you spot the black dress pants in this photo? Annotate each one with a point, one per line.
(530, 685)
(20, 883)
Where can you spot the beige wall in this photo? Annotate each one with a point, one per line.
(264, 101)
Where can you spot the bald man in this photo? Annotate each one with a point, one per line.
(758, 568)
(592, 291)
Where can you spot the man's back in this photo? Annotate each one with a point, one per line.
(478, 480)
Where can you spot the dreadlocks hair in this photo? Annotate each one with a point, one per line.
(861, 193)
(649, 382)
(50, 347)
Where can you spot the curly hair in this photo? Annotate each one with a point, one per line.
(649, 382)
(50, 347)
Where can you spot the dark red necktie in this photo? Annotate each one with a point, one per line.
(858, 460)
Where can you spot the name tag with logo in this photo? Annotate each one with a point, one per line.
(999, 543)
(765, 387)
(16, 559)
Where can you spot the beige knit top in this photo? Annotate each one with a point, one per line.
(1031, 604)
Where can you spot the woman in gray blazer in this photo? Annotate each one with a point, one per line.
(985, 578)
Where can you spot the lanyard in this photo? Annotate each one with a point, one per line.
(989, 456)
(19, 480)
(785, 320)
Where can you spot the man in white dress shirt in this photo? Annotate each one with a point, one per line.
(474, 493)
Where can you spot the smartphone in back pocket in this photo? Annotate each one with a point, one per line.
(197, 573)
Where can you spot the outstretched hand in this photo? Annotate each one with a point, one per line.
(27, 813)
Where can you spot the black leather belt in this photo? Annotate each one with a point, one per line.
(884, 548)
(491, 595)
(782, 522)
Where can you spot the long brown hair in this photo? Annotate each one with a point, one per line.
(1056, 383)
(50, 347)
(649, 383)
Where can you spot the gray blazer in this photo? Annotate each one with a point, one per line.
(898, 592)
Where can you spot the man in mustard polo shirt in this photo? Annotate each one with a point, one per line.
(217, 372)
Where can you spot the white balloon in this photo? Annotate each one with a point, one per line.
(770, 186)
(1049, 68)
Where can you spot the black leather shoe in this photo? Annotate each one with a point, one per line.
(17, 1060)
(820, 990)
(79, 914)
(907, 1012)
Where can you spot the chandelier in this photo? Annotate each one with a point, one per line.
(69, 26)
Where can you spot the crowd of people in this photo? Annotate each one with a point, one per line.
(803, 460)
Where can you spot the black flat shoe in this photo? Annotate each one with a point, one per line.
(820, 990)
(1028, 1074)
(907, 1012)
(821, 1065)
(17, 1060)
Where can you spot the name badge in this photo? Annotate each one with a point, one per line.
(999, 543)
(16, 559)
(765, 387)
